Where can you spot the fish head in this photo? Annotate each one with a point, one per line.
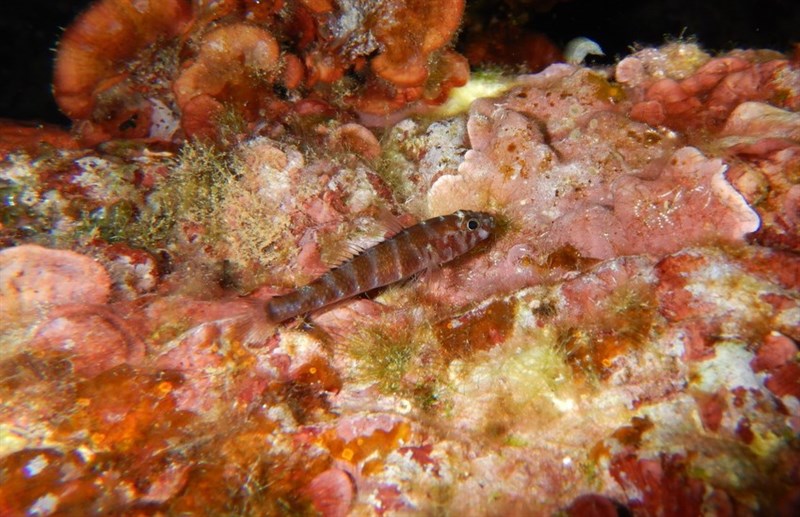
(479, 226)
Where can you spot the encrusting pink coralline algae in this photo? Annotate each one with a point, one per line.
(625, 340)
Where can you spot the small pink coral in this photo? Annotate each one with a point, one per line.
(91, 337)
(33, 278)
(710, 74)
(676, 60)
(331, 493)
(356, 138)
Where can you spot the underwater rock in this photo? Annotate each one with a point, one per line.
(627, 341)
(555, 158)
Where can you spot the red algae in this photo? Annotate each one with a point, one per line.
(661, 486)
(31, 137)
(592, 505)
(228, 57)
(479, 329)
(99, 73)
(201, 64)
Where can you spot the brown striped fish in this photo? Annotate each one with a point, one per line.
(415, 249)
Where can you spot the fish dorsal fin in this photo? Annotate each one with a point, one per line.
(392, 224)
(348, 251)
(386, 226)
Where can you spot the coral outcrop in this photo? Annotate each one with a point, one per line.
(627, 341)
(182, 68)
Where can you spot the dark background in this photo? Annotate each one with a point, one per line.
(29, 31)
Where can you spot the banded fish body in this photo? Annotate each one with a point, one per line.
(417, 248)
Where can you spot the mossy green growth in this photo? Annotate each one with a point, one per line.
(523, 384)
(200, 183)
(193, 192)
(400, 359)
(115, 221)
(213, 190)
(513, 440)
(395, 171)
(384, 356)
(13, 209)
(427, 395)
(620, 324)
(231, 124)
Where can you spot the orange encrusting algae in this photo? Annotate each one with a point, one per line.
(415, 249)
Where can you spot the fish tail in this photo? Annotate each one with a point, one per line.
(253, 327)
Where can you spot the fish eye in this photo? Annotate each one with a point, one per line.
(472, 224)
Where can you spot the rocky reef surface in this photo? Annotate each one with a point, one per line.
(627, 342)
